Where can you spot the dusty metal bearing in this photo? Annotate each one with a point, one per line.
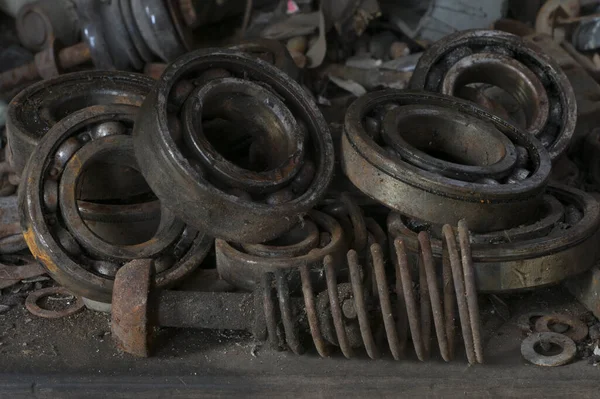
(527, 256)
(243, 265)
(530, 344)
(37, 108)
(522, 70)
(456, 160)
(53, 226)
(272, 51)
(249, 184)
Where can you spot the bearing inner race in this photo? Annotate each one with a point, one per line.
(446, 142)
(277, 140)
(507, 74)
(109, 149)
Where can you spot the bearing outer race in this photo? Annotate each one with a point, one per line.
(429, 196)
(46, 249)
(25, 127)
(246, 270)
(491, 37)
(171, 227)
(549, 260)
(204, 206)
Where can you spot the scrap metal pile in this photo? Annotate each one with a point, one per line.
(420, 200)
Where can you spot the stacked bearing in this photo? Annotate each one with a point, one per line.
(435, 159)
(235, 147)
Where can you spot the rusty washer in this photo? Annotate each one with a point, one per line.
(31, 303)
(529, 256)
(577, 330)
(37, 108)
(244, 265)
(77, 256)
(442, 159)
(531, 344)
(534, 80)
(250, 184)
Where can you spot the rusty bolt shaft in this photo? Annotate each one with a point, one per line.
(68, 57)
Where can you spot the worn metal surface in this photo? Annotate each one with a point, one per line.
(348, 315)
(272, 51)
(530, 352)
(39, 23)
(48, 63)
(31, 303)
(577, 330)
(243, 265)
(378, 171)
(87, 264)
(586, 89)
(130, 325)
(536, 255)
(532, 78)
(36, 109)
(185, 183)
(14, 268)
(585, 287)
(11, 239)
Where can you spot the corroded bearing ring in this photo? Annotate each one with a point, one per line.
(244, 265)
(53, 230)
(37, 108)
(529, 256)
(504, 60)
(400, 183)
(218, 98)
(192, 189)
(272, 51)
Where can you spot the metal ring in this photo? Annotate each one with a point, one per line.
(577, 331)
(507, 74)
(419, 193)
(244, 270)
(31, 303)
(569, 349)
(534, 260)
(118, 149)
(278, 133)
(200, 200)
(36, 109)
(412, 130)
(460, 56)
(288, 245)
(55, 247)
(276, 54)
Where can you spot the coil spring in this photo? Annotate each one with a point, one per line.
(458, 290)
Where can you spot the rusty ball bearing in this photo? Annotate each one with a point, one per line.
(534, 81)
(441, 159)
(37, 108)
(76, 254)
(533, 255)
(233, 145)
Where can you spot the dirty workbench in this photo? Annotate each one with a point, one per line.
(75, 357)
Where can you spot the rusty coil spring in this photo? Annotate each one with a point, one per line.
(398, 303)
